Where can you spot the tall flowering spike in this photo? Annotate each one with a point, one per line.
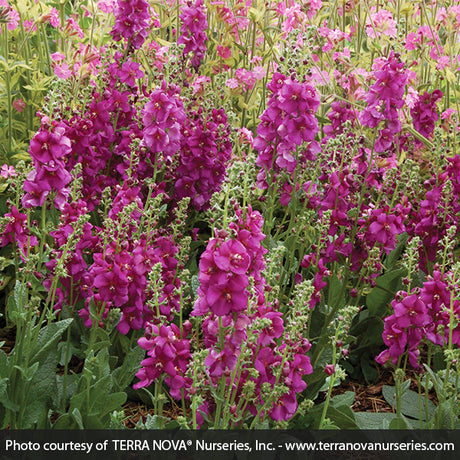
(428, 224)
(384, 98)
(193, 34)
(288, 122)
(76, 265)
(49, 149)
(453, 171)
(97, 145)
(250, 323)
(132, 21)
(204, 154)
(424, 115)
(226, 265)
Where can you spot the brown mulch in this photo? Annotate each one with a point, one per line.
(135, 411)
(75, 366)
(7, 335)
(368, 398)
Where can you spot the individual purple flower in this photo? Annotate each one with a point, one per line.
(129, 72)
(220, 362)
(35, 194)
(285, 407)
(385, 140)
(340, 113)
(127, 194)
(49, 144)
(52, 176)
(329, 369)
(297, 368)
(267, 335)
(410, 311)
(395, 339)
(435, 293)
(232, 256)
(228, 295)
(265, 362)
(385, 226)
(99, 305)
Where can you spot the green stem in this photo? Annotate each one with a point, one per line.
(329, 390)
(8, 89)
(66, 369)
(326, 403)
(220, 392)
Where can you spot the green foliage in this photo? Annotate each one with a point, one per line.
(339, 414)
(345, 324)
(93, 400)
(412, 404)
(156, 422)
(374, 420)
(384, 292)
(29, 381)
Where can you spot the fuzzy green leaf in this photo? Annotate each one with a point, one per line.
(412, 404)
(372, 420)
(384, 291)
(48, 338)
(123, 375)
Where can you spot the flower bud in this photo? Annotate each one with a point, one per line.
(329, 369)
